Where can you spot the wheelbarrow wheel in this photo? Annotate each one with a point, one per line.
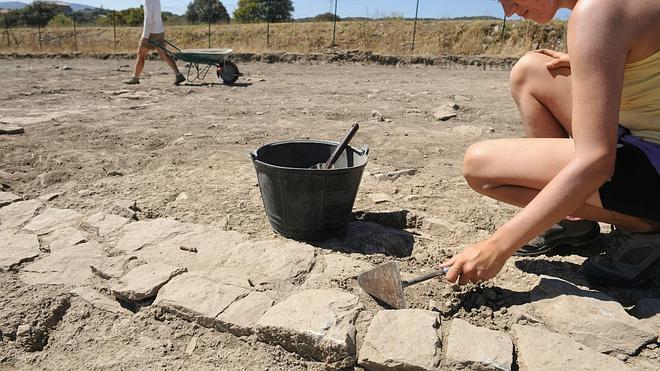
(229, 73)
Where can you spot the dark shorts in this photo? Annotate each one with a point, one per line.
(157, 37)
(635, 186)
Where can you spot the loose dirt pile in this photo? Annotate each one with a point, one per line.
(155, 152)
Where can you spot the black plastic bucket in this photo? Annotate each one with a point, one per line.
(303, 203)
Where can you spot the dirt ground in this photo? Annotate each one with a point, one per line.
(182, 152)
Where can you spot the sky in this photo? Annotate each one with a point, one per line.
(345, 8)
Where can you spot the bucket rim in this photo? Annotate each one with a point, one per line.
(364, 151)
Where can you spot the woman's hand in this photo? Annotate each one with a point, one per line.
(560, 60)
(477, 263)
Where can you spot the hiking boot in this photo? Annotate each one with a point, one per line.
(132, 81)
(567, 233)
(179, 79)
(630, 260)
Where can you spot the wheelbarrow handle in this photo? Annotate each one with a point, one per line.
(425, 277)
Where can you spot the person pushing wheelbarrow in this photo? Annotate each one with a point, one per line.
(153, 33)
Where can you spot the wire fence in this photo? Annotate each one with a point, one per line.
(405, 27)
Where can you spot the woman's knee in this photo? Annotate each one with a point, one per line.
(477, 161)
(526, 72)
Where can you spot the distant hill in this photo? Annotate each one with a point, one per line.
(12, 5)
(18, 5)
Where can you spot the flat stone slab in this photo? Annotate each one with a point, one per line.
(63, 238)
(591, 318)
(406, 339)
(105, 224)
(114, 267)
(10, 129)
(540, 349)
(205, 248)
(17, 214)
(7, 198)
(16, 248)
(138, 235)
(341, 267)
(198, 297)
(242, 315)
(271, 261)
(69, 266)
(648, 312)
(52, 219)
(99, 300)
(144, 281)
(319, 324)
(475, 348)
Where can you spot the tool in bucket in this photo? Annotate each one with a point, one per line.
(384, 283)
(340, 148)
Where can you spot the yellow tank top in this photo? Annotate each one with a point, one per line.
(640, 99)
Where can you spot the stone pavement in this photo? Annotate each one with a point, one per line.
(303, 298)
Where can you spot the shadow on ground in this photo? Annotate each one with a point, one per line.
(371, 238)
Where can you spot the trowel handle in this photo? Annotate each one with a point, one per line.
(425, 277)
(342, 146)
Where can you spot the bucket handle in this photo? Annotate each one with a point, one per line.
(253, 155)
(364, 150)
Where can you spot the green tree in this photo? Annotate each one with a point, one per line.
(262, 10)
(60, 20)
(325, 17)
(131, 17)
(39, 13)
(206, 11)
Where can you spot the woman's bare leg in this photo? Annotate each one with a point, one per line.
(515, 170)
(543, 97)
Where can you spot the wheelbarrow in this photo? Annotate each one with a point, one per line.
(200, 62)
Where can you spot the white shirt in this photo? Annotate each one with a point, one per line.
(153, 23)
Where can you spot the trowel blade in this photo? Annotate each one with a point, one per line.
(384, 283)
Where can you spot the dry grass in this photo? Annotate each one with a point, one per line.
(393, 37)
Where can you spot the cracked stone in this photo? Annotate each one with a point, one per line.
(7, 198)
(198, 297)
(342, 267)
(591, 318)
(139, 235)
(242, 315)
(472, 347)
(17, 248)
(648, 312)
(272, 261)
(99, 300)
(62, 238)
(406, 339)
(18, 213)
(213, 246)
(144, 281)
(68, 266)
(540, 349)
(52, 219)
(319, 324)
(106, 224)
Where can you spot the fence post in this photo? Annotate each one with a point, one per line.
(114, 27)
(415, 25)
(208, 18)
(334, 25)
(503, 27)
(39, 34)
(268, 25)
(75, 33)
